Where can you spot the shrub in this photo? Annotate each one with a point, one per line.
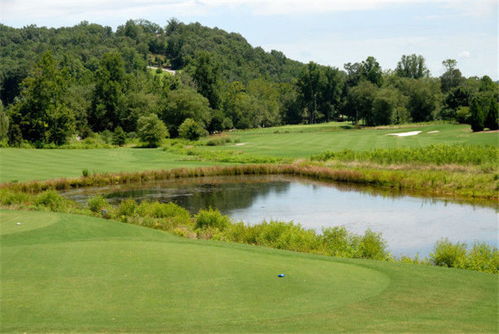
(161, 210)
(127, 208)
(483, 257)
(190, 129)
(447, 254)
(211, 219)
(119, 136)
(151, 130)
(97, 203)
(14, 197)
(85, 172)
(372, 246)
(50, 199)
(337, 241)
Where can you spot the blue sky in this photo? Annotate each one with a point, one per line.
(330, 32)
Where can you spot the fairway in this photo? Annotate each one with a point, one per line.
(303, 141)
(31, 164)
(81, 274)
(294, 142)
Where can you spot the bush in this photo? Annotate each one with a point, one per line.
(190, 129)
(50, 199)
(372, 246)
(119, 136)
(338, 242)
(127, 208)
(483, 257)
(85, 172)
(151, 130)
(447, 254)
(463, 115)
(211, 219)
(161, 210)
(97, 203)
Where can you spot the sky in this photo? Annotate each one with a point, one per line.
(329, 32)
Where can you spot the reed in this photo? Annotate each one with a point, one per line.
(466, 186)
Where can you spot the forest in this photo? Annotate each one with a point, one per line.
(147, 82)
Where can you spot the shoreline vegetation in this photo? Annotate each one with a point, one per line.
(336, 241)
(468, 183)
(210, 224)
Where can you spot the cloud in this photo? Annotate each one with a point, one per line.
(99, 8)
(464, 54)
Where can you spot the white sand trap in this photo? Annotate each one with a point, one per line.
(436, 131)
(405, 134)
(240, 144)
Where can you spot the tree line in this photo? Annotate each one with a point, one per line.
(58, 84)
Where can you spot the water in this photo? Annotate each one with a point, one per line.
(410, 225)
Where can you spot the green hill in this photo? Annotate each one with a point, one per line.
(66, 273)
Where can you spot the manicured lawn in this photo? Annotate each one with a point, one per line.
(293, 142)
(303, 141)
(64, 273)
(31, 164)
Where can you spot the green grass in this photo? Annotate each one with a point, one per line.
(31, 164)
(288, 142)
(81, 274)
(303, 141)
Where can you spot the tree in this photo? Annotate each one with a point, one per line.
(4, 123)
(423, 97)
(15, 135)
(190, 129)
(452, 76)
(412, 66)
(108, 102)
(478, 114)
(309, 89)
(182, 104)
(152, 130)
(389, 107)
(206, 75)
(371, 71)
(491, 119)
(41, 112)
(360, 102)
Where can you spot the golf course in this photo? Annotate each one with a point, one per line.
(172, 177)
(75, 274)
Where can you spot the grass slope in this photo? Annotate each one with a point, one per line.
(66, 273)
(303, 141)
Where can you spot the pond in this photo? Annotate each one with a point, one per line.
(410, 225)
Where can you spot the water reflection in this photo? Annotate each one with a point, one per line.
(410, 225)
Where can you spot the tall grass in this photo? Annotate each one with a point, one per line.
(468, 186)
(433, 154)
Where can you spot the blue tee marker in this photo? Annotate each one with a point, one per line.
(281, 275)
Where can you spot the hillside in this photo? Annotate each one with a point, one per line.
(140, 41)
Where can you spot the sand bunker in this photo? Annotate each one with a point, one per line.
(405, 134)
(240, 144)
(436, 131)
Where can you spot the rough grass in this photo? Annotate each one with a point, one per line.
(303, 141)
(82, 274)
(433, 154)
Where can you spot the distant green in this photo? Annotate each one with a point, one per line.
(84, 275)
